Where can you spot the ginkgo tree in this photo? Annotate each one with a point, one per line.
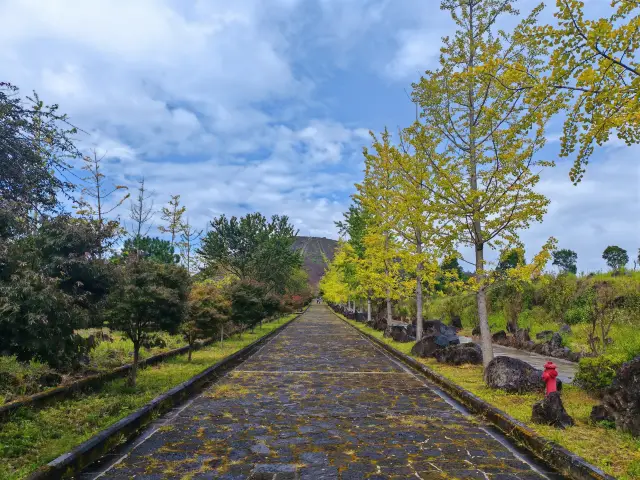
(593, 75)
(375, 194)
(418, 221)
(487, 167)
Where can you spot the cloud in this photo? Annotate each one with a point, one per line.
(264, 106)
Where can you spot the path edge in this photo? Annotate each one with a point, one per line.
(72, 462)
(559, 458)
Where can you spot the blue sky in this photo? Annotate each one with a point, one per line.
(265, 105)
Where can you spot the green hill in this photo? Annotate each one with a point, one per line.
(313, 249)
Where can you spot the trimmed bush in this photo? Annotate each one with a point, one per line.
(595, 374)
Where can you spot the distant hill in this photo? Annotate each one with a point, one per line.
(313, 249)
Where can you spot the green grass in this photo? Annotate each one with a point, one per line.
(33, 438)
(616, 453)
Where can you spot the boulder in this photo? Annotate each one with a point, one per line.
(460, 354)
(456, 322)
(361, 316)
(499, 336)
(514, 376)
(599, 413)
(522, 335)
(556, 341)
(426, 347)
(544, 335)
(622, 398)
(400, 333)
(476, 331)
(550, 411)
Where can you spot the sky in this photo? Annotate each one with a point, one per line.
(265, 105)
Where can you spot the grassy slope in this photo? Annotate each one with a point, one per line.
(614, 452)
(32, 439)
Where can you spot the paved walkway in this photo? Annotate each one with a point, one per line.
(320, 402)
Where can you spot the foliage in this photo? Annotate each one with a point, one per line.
(36, 149)
(509, 259)
(148, 297)
(249, 303)
(594, 76)
(355, 226)
(559, 294)
(566, 260)
(209, 309)
(38, 320)
(252, 248)
(595, 374)
(152, 249)
(615, 257)
(22, 378)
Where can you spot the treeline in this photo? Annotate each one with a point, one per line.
(466, 171)
(64, 269)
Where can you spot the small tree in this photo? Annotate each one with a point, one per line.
(209, 309)
(149, 297)
(172, 215)
(141, 211)
(188, 238)
(615, 257)
(566, 260)
(96, 195)
(247, 304)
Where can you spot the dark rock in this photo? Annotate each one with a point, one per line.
(550, 411)
(400, 333)
(460, 354)
(599, 413)
(426, 347)
(499, 336)
(456, 322)
(545, 335)
(361, 316)
(565, 329)
(522, 335)
(622, 398)
(514, 376)
(476, 331)
(50, 379)
(556, 340)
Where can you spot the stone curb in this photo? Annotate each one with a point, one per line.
(559, 458)
(91, 450)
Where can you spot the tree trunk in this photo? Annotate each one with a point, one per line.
(221, 334)
(483, 317)
(419, 269)
(419, 303)
(133, 373)
(369, 308)
(190, 352)
(389, 310)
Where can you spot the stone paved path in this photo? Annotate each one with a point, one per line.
(320, 402)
